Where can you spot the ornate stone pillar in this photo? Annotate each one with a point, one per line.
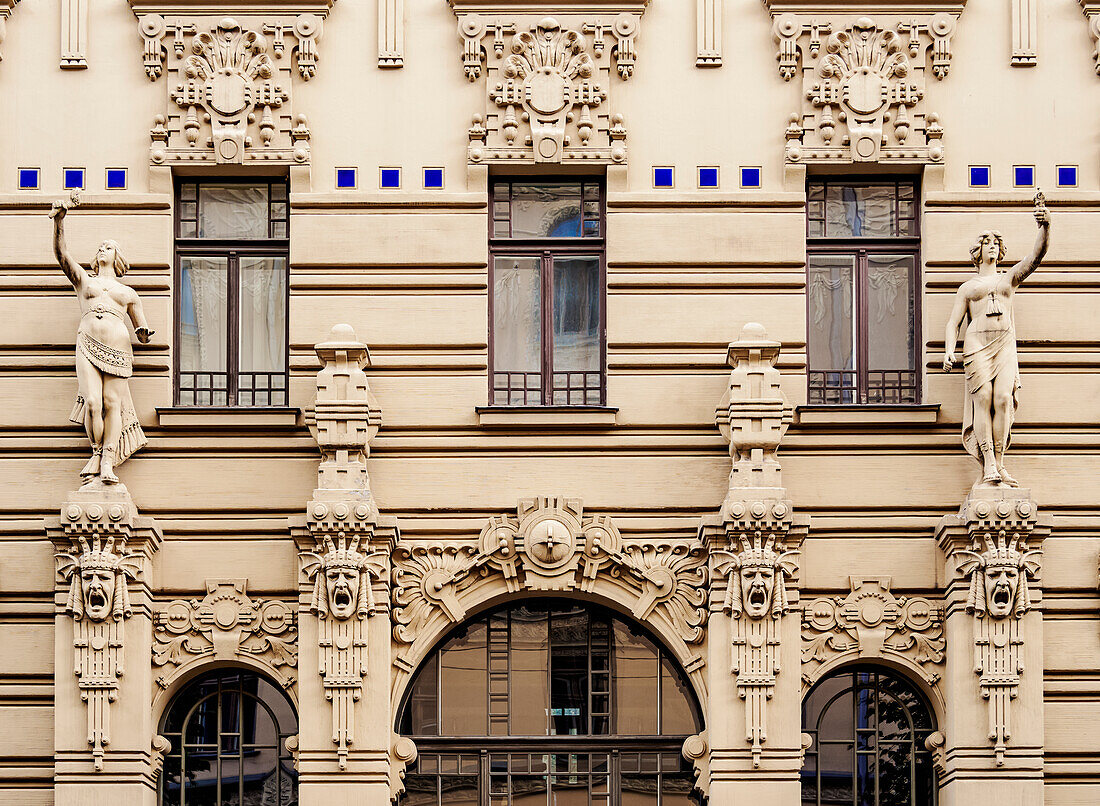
(105, 748)
(345, 740)
(990, 749)
(753, 723)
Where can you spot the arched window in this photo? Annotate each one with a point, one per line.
(549, 704)
(868, 729)
(227, 731)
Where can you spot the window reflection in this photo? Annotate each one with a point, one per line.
(868, 730)
(228, 733)
(556, 691)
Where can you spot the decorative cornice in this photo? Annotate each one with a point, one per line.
(549, 6)
(202, 7)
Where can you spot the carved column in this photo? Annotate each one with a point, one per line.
(105, 750)
(753, 727)
(990, 749)
(345, 742)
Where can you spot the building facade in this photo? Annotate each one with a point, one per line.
(549, 402)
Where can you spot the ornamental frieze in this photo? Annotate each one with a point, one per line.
(551, 545)
(863, 81)
(226, 624)
(549, 80)
(229, 82)
(869, 623)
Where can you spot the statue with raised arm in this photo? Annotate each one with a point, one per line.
(989, 347)
(104, 357)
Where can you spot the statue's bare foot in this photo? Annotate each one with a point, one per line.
(1007, 479)
(91, 470)
(107, 475)
(991, 476)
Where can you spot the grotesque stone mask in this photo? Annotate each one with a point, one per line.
(1001, 583)
(342, 584)
(757, 586)
(98, 586)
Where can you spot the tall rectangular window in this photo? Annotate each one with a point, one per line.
(863, 292)
(232, 250)
(546, 301)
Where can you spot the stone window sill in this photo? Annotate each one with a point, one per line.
(546, 416)
(867, 414)
(227, 417)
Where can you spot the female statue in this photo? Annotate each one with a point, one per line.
(104, 358)
(989, 347)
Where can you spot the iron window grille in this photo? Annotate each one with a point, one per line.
(546, 241)
(223, 375)
(863, 292)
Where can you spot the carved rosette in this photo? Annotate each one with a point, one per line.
(103, 548)
(863, 83)
(230, 84)
(871, 622)
(1092, 14)
(551, 545)
(548, 81)
(994, 546)
(754, 566)
(226, 624)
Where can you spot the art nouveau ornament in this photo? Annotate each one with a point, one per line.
(863, 81)
(104, 357)
(872, 623)
(551, 545)
(548, 79)
(992, 368)
(999, 557)
(226, 624)
(230, 82)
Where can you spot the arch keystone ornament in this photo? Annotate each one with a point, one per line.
(754, 543)
(230, 80)
(863, 80)
(548, 79)
(872, 623)
(994, 598)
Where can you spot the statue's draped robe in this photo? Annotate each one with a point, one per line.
(994, 359)
(118, 360)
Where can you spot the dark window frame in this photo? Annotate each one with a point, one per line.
(812, 769)
(231, 249)
(820, 386)
(227, 744)
(626, 754)
(547, 249)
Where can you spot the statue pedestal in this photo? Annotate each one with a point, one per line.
(990, 747)
(104, 737)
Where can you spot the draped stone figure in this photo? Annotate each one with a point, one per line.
(989, 347)
(104, 357)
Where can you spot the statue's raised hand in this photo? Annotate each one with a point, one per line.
(59, 209)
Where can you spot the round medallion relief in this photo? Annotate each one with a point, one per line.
(550, 543)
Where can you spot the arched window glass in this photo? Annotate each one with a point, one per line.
(868, 729)
(227, 731)
(549, 704)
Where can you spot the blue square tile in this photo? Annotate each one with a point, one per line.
(116, 179)
(979, 176)
(1023, 176)
(346, 178)
(750, 177)
(28, 179)
(390, 177)
(1067, 176)
(433, 177)
(74, 179)
(662, 177)
(708, 177)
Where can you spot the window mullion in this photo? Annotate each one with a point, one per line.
(862, 327)
(232, 327)
(547, 264)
